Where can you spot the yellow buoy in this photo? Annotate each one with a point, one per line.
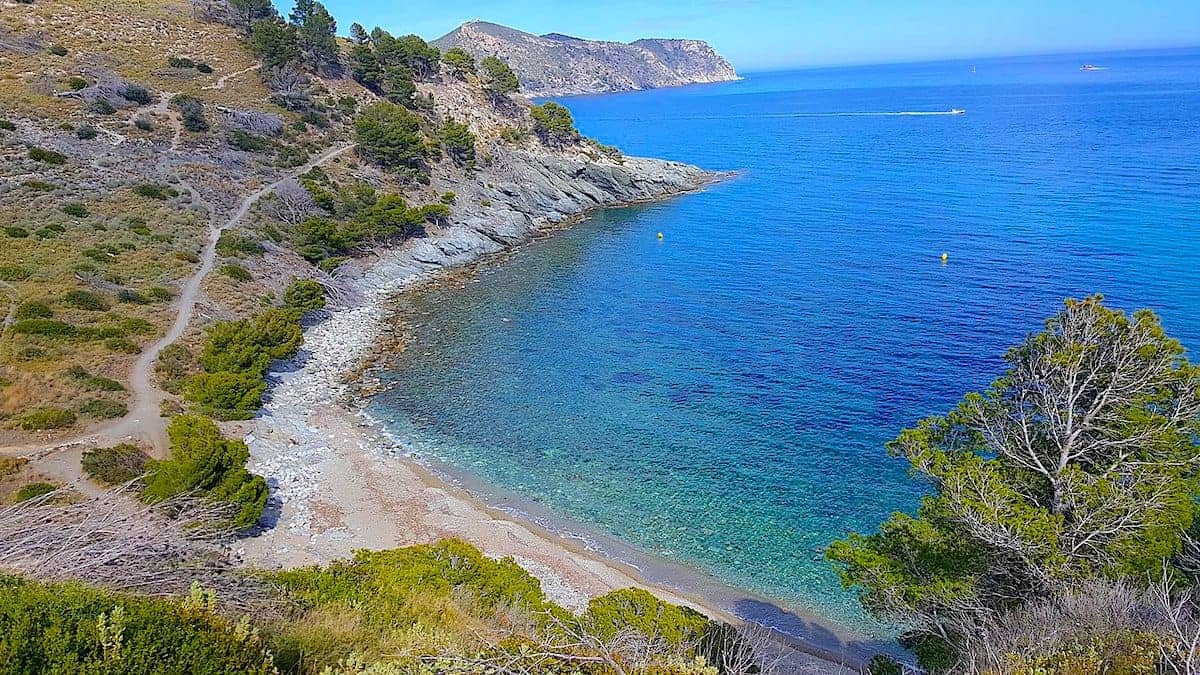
(945, 257)
(660, 235)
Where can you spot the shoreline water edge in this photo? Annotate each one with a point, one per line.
(339, 482)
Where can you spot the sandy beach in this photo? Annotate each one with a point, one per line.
(339, 483)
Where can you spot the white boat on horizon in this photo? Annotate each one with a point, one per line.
(957, 111)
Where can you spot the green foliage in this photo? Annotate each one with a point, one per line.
(180, 62)
(86, 132)
(71, 628)
(248, 142)
(14, 273)
(498, 78)
(435, 588)
(552, 123)
(160, 293)
(226, 395)
(249, 11)
(47, 156)
(46, 419)
(143, 123)
(44, 327)
(175, 363)
(460, 61)
(75, 83)
(204, 68)
(236, 244)
(137, 93)
(155, 191)
(32, 491)
(101, 106)
(459, 142)
(7, 125)
(103, 408)
(275, 42)
(116, 465)
(389, 135)
(205, 462)
(884, 665)
(191, 111)
(81, 299)
(249, 345)
(39, 185)
(304, 295)
(1080, 462)
(316, 30)
(638, 609)
(15, 233)
(236, 272)
(32, 309)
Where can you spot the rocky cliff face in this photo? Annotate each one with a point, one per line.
(554, 64)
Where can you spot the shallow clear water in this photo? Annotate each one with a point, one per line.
(721, 397)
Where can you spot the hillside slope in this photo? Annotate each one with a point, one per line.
(555, 64)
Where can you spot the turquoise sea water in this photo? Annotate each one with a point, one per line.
(721, 397)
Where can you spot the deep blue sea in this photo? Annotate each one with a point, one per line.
(721, 397)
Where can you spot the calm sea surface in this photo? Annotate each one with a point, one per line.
(721, 397)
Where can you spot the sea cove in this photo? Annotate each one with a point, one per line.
(720, 397)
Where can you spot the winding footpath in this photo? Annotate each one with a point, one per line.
(60, 459)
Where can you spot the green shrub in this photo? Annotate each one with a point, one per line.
(459, 60)
(103, 408)
(16, 233)
(38, 185)
(137, 93)
(155, 191)
(71, 628)
(204, 68)
(205, 462)
(58, 50)
(33, 490)
(236, 272)
(247, 142)
(44, 327)
(14, 273)
(116, 465)
(128, 295)
(180, 62)
(160, 294)
(7, 125)
(76, 83)
(102, 384)
(459, 142)
(304, 295)
(123, 345)
(498, 78)
(32, 309)
(46, 156)
(86, 132)
(638, 609)
(553, 123)
(46, 419)
(235, 244)
(81, 299)
(191, 110)
(389, 135)
(226, 395)
(102, 107)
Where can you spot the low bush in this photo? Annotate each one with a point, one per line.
(205, 462)
(204, 68)
(16, 233)
(638, 609)
(236, 244)
(14, 273)
(86, 132)
(128, 295)
(33, 490)
(236, 272)
(180, 62)
(155, 191)
(116, 465)
(89, 300)
(103, 409)
(76, 83)
(191, 110)
(143, 123)
(47, 156)
(123, 345)
(7, 125)
(71, 628)
(58, 50)
(137, 93)
(44, 327)
(32, 309)
(102, 384)
(38, 185)
(248, 142)
(304, 295)
(102, 107)
(226, 395)
(46, 419)
(160, 294)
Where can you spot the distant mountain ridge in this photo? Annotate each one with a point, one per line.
(558, 64)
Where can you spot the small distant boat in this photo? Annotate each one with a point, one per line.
(957, 111)
(1091, 66)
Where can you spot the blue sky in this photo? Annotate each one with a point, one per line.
(772, 34)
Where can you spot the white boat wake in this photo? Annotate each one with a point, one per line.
(955, 111)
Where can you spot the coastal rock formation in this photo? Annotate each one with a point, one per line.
(555, 64)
